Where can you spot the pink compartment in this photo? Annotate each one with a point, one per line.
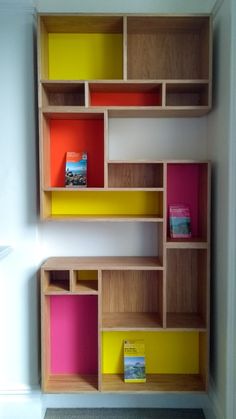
(74, 334)
(183, 186)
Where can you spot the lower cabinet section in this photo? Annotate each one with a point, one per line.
(90, 306)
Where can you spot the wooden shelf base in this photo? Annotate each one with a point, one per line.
(70, 383)
(155, 383)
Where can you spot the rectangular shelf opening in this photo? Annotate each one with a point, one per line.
(132, 299)
(104, 205)
(84, 133)
(168, 47)
(63, 94)
(72, 355)
(85, 282)
(187, 94)
(81, 47)
(188, 184)
(135, 175)
(187, 288)
(56, 281)
(175, 361)
(125, 94)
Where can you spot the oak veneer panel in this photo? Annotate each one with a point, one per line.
(80, 24)
(186, 288)
(63, 94)
(104, 263)
(187, 94)
(168, 48)
(71, 383)
(155, 383)
(135, 175)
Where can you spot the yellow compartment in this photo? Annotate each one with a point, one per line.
(85, 56)
(166, 352)
(106, 203)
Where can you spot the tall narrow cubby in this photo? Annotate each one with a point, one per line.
(92, 68)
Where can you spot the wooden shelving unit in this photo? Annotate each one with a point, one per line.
(93, 68)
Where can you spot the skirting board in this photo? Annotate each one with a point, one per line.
(24, 403)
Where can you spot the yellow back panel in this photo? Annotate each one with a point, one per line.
(166, 352)
(85, 56)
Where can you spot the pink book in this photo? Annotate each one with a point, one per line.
(180, 221)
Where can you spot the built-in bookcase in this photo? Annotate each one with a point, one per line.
(91, 69)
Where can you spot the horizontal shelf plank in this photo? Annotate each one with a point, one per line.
(154, 383)
(107, 218)
(185, 321)
(131, 321)
(186, 244)
(103, 263)
(71, 383)
(88, 189)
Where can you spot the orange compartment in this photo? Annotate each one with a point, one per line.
(77, 135)
(125, 99)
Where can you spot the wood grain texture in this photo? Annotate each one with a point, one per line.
(135, 175)
(155, 382)
(70, 383)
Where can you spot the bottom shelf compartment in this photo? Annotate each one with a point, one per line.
(175, 361)
(155, 382)
(71, 383)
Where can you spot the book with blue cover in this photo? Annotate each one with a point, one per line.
(76, 169)
(134, 361)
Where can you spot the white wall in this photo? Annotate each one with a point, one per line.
(32, 241)
(221, 150)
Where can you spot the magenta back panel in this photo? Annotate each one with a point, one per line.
(183, 187)
(74, 334)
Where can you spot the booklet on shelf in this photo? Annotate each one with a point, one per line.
(180, 221)
(76, 169)
(134, 361)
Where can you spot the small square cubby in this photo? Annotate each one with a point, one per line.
(56, 281)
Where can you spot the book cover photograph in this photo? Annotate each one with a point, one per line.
(180, 221)
(76, 169)
(134, 361)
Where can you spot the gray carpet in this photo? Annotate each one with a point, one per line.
(124, 414)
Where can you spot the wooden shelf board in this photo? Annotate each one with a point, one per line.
(154, 383)
(57, 286)
(71, 383)
(86, 287)
(103, 263)
(186, 244)
(106, 218)
(185, 321)
(122, 189)
(131, 321)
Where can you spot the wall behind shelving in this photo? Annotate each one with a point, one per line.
(32, 240)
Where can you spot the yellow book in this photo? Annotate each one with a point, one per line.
(134, 361)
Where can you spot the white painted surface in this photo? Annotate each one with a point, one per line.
(33, 241)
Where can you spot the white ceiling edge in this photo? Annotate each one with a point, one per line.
(112, 6)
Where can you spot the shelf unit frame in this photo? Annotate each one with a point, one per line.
(140, 84)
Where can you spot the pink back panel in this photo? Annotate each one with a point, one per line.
(183, 188)
(74, 334)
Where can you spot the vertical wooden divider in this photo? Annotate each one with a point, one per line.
(106, 148)
(163, 100)
(99, 330)
(87, 99)
(164, 243)
(125, 57)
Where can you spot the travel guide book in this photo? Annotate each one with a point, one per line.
(76, 169)
(134, 361)
(180, 221)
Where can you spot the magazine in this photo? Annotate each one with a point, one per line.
(134, 361)
(180, 221)
(76, 169)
